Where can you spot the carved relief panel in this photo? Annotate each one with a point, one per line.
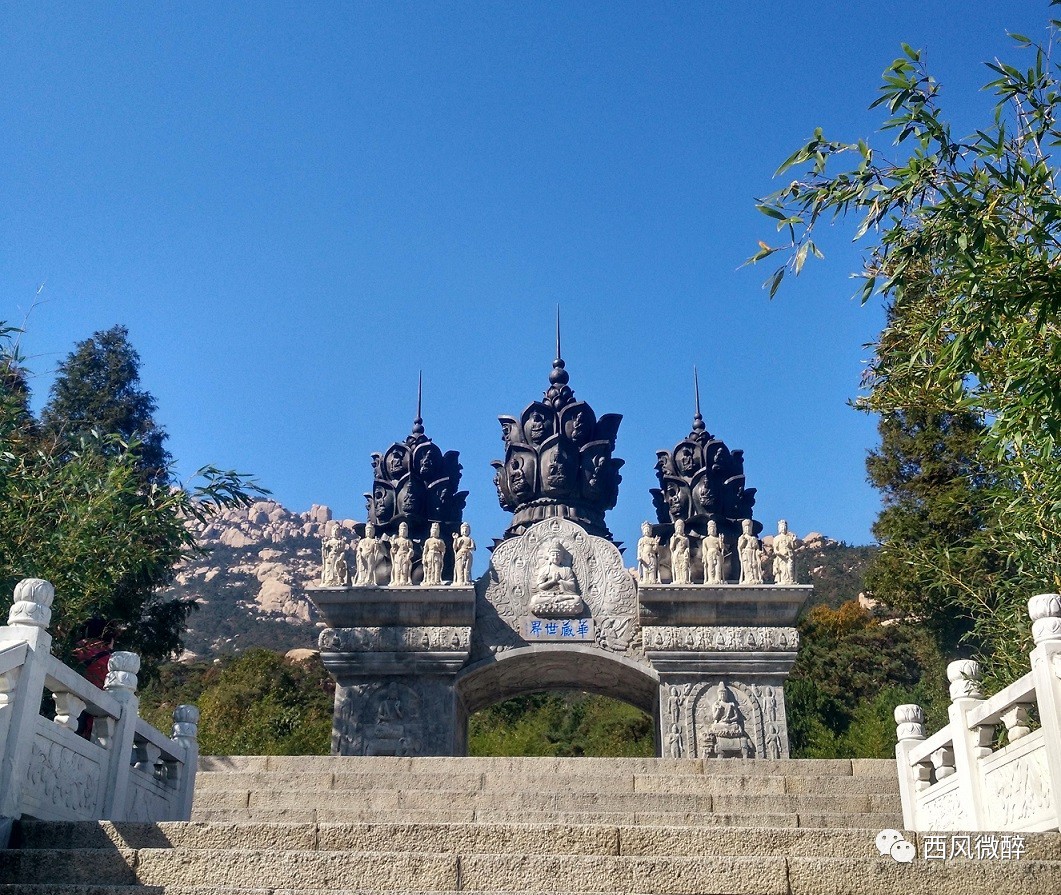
(555, 572)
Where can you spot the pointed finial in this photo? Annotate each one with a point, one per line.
(558, 376)
(558, 354)
(418, 423)
(698, 421)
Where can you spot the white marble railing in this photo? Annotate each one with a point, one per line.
(126, 770)
(956, 779)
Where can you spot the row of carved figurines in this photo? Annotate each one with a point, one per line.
(713, 553)
(370, 553)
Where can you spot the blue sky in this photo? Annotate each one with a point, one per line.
(295, 207)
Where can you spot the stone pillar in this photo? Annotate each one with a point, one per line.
(394, 653)
(121, 683)
(970, 744)
(21, 689)
(1045, 612)
(186, 734)
(723, 653)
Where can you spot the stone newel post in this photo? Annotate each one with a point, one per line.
(21, 687)
(186, 734)
(1045, 612)
(121, 684)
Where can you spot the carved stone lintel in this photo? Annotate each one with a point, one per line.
(395, 638)
(721, 638)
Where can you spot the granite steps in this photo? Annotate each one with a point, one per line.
(502, 826)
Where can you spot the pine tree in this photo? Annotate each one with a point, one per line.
(934, 528)
(84, 513)
(98, 389)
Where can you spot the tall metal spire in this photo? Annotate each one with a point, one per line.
(558, 376)
(698, 421)
(418, 423)
(558, 354)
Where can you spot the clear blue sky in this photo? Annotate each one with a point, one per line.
(294, 207)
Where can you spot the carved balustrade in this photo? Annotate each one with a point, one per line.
(955, 779)
(124, 770)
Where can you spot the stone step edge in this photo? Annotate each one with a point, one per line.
(773, 875)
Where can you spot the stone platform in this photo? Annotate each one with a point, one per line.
(308, 825)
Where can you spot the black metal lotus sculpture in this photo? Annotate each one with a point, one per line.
(416, 483)
(701, 480)
(558, 461)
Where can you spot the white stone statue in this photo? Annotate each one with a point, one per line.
(680, 557)
(675, 743)
(784, 554)
(335, 571)
(367, 558)
(432, 557)
(401, 558)
(648, 556)
(556, 592)
(711, 550)
(463, 550)
(751, 555)
(725, 715)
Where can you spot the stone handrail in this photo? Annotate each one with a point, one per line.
(124, 770)
(955, 779)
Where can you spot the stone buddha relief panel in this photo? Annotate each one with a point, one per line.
(555, 583)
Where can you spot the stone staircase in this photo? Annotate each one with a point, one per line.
(311, 825)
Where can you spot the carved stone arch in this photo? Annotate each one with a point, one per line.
(542, 667)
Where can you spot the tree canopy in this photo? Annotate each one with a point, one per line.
(97, 389)
(963, 236)
(82, 514)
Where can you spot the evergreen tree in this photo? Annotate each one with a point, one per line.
(82, 515)
(964, 233)
(934, 528)
(98, 389)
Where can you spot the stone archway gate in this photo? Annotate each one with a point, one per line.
(707, 661)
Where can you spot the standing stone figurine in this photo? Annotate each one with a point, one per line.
(368, 557)
(433, 555)
(751, 555)
(784, 555)
(463, 550)
(401, 558)
(648, 556)
(334, 571)
(711, 553)
(680, 559)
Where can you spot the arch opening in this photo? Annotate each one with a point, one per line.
(580, 685)
(562, 723)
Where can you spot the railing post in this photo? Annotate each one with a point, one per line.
(186, 734)
(970, 744)
(121, 684)
(1045, 612)
(21, 693)
(909, 731)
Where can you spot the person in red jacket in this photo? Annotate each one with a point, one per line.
(93, 653)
